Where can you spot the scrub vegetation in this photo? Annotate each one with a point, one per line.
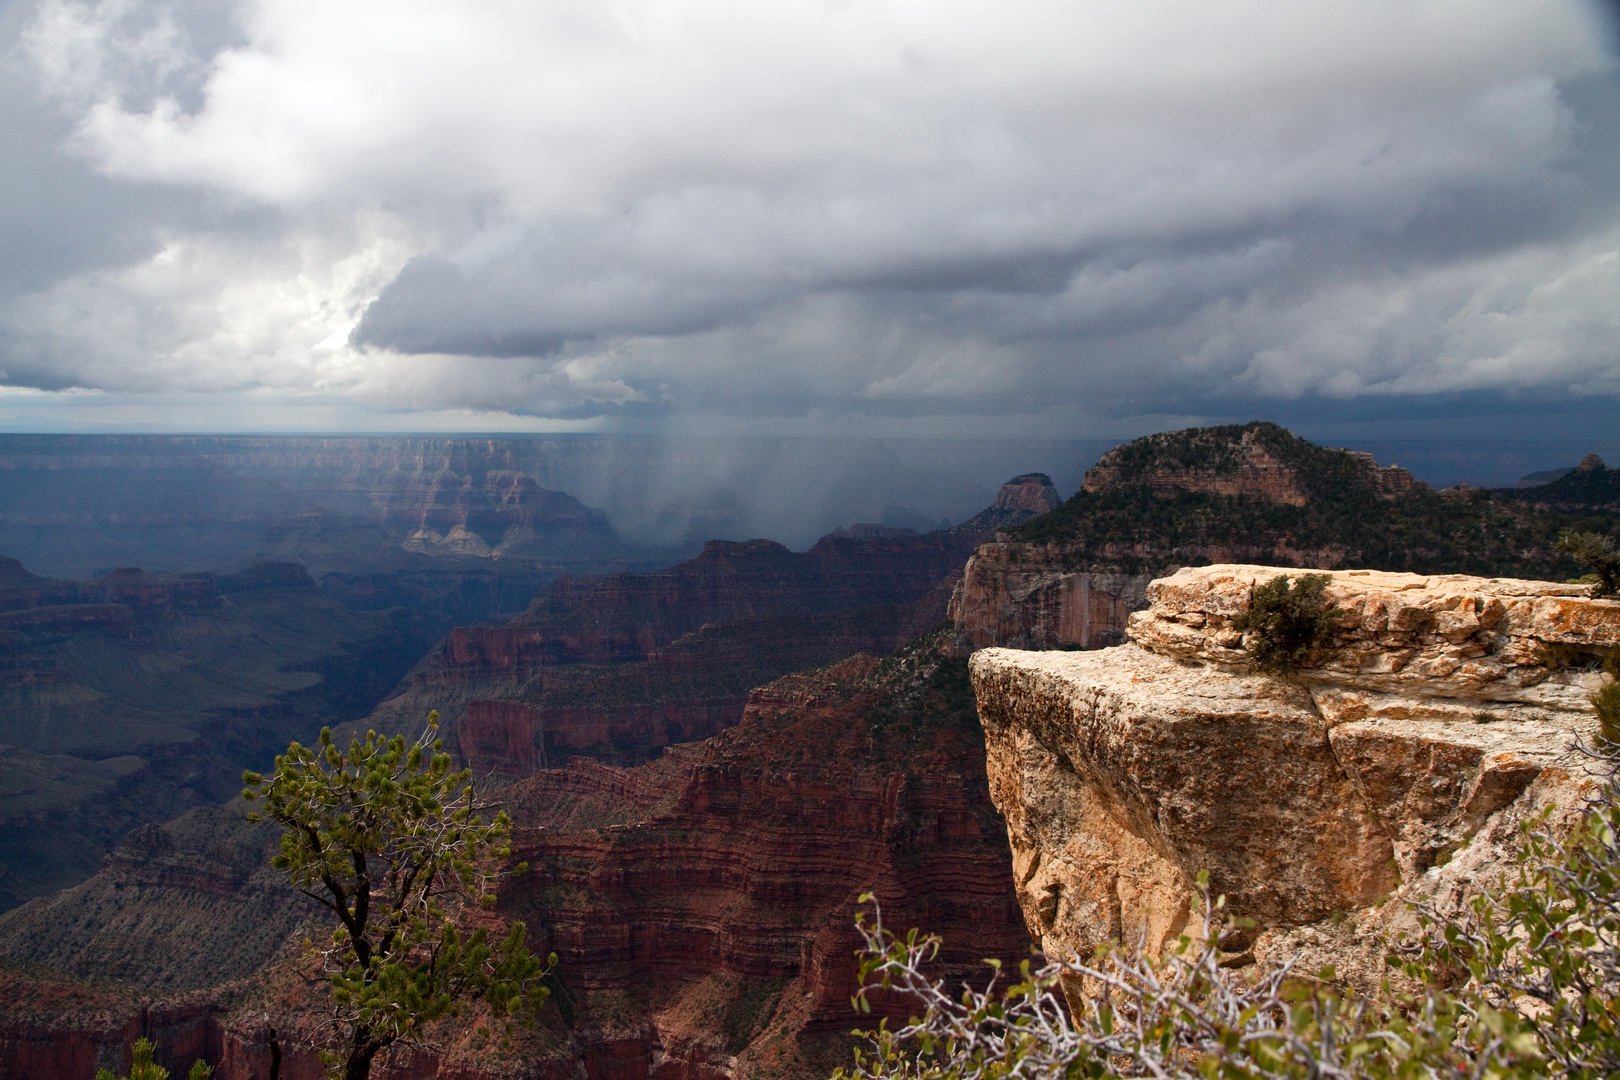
(1525, 983)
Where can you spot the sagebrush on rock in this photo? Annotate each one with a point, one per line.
(1288, 622)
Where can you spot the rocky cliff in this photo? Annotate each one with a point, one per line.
(620, 666)
(1247, 493)
(1437, 717)
(702, 904)
(713, 896)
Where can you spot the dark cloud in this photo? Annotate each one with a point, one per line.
(728, 212)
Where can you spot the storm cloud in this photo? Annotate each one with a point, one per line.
(945, 215)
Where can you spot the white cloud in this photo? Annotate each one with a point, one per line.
(1535, 317)
(674, 205)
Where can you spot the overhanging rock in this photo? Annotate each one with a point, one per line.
(1440, 715)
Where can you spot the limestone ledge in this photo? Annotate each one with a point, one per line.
(1318, 804)
(1407, 646)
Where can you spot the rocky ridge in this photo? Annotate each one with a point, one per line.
(1245, 493)
(1590, 487)
(619, 666)
(1396, 766)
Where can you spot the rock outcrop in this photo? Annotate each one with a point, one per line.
(1032, 493)
(1248, 493)
(1029, 597)
(1437, 716)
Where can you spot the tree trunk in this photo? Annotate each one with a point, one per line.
(358, 1067)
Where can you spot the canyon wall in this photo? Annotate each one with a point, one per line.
(1397, 765)
(1027, 596)
(79, 504)
(702, 904)
(75, 505)
(723, 902)
(130, 698)
(620, 666)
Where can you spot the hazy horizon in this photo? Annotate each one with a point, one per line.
(671, 493)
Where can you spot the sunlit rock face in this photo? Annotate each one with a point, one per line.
(1029, 597)
(1438, 715)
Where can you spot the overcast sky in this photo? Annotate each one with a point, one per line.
(1026, 217)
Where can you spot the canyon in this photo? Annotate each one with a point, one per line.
(749, 848)
(708, 763)
(620, 666)
(1395, 766)
(77, 505)
(129, 698)
(701, 905)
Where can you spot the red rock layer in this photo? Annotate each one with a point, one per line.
(702, 904)
(865, 777)
(635, 662)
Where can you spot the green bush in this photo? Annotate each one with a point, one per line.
(143, 1068)
(1597, 553)
(396, 847)
(1525, 984)
(1288, 622)
(1544, 945)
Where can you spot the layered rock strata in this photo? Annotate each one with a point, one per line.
(702, 904)
(128, 699)
(620, 666)
(712, 893)
(1438, 714)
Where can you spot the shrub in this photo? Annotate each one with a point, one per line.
(1526, 984)
(1184, 1017)
(1597, 553)
(1289, 622)
(1545, 945)
(395, 846)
